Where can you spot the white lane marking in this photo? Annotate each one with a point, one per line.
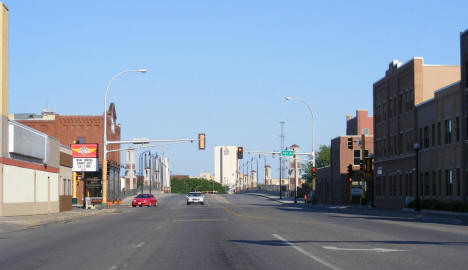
(199, 219)
(140, 244)
(308, 254)
(364, 249)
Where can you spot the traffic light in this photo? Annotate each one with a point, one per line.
(350, 170)
(350, 179)
(350, 143)
(240, 152)
(314, 172)
(201, 141)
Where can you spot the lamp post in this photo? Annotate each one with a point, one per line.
(313, 125)
(416, 149)
(104, 139)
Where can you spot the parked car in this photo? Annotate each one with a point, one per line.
(195, 197)
(144, 199)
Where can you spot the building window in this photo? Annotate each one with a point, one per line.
(439, 139)
(357, 157)
(439, 182)
(426, 137)
(433, 136)
(80, 140)
(400, 104)
(365, 131)
(448, 182)
(421, 138)
(433, 183)
(383, 186)
(448, 131)
(427, 185)
(400, 185)
(457, 127)
(400, 144)
(390, 114)
(457, 184)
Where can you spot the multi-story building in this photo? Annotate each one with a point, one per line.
(268, 176)
(29, 159)
(130, 170)
(65, 179)
(225, 164)
(464, 116)
(396, 99)
(292, 170)
(333, 184)
(83, 129)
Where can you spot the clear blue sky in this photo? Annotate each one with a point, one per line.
(220, 67)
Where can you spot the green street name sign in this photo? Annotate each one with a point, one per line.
(287, 153)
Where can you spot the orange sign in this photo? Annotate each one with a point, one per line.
(88, 150)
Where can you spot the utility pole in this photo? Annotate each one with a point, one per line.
(282, 136)
(295, 179)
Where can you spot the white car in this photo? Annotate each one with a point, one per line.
(195, 197)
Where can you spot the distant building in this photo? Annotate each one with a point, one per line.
(332, 181)
(225, 163)
(207, 176)
(292, 177)
(130, 170)
(268, 178)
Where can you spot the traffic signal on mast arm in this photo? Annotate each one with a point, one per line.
(240, 152)
(314, 172)
(201, 141)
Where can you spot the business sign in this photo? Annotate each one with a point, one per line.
(85, 157)
(85, 165)
(82, 150)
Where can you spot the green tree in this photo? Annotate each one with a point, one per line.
(186, 185)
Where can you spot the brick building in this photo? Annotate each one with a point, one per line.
(332, 181)
(83, 129)
(396, 99)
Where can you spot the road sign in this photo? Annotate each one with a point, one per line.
(287, 153)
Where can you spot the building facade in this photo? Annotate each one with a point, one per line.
(333, 184)
(395, 99)
(84, 129)
(130, 170)
(225, 164)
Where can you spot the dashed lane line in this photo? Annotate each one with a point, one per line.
(306, 253)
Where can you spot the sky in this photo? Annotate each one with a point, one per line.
(220, 67)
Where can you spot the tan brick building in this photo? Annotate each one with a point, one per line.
(396, 97)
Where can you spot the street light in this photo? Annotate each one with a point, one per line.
(313, 126)
(104, 140)
(416, 149)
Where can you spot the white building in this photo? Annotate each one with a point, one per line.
(225, 164)
(130, 170)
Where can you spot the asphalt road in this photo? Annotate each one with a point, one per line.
(240, 232)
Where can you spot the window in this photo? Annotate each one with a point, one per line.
(448, 131)
(390, 114)
(400, 144)
(400, 185)
(448, 182)
(426, 137)
(80, 140)
(433, 136)
(433, 183)
(439, 140)
(420, 138)
(427, 185)
(365, 131)
(357, 157)
(400, 104)
(457, 127)
(439, 182)
(384, 192)
(410, 184)
(457, 184)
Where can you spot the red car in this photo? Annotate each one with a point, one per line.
(144, 199)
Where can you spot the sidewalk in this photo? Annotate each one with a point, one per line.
(15, 223)
(436, 216)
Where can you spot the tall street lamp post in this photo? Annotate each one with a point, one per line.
(104, 140)
(416, 149)
(313, 125)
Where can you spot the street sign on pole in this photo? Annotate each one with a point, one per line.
(287, 153)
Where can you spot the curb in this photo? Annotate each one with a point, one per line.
(64, 219)
(448, 213)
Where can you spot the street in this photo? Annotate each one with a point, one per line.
(240, 232)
